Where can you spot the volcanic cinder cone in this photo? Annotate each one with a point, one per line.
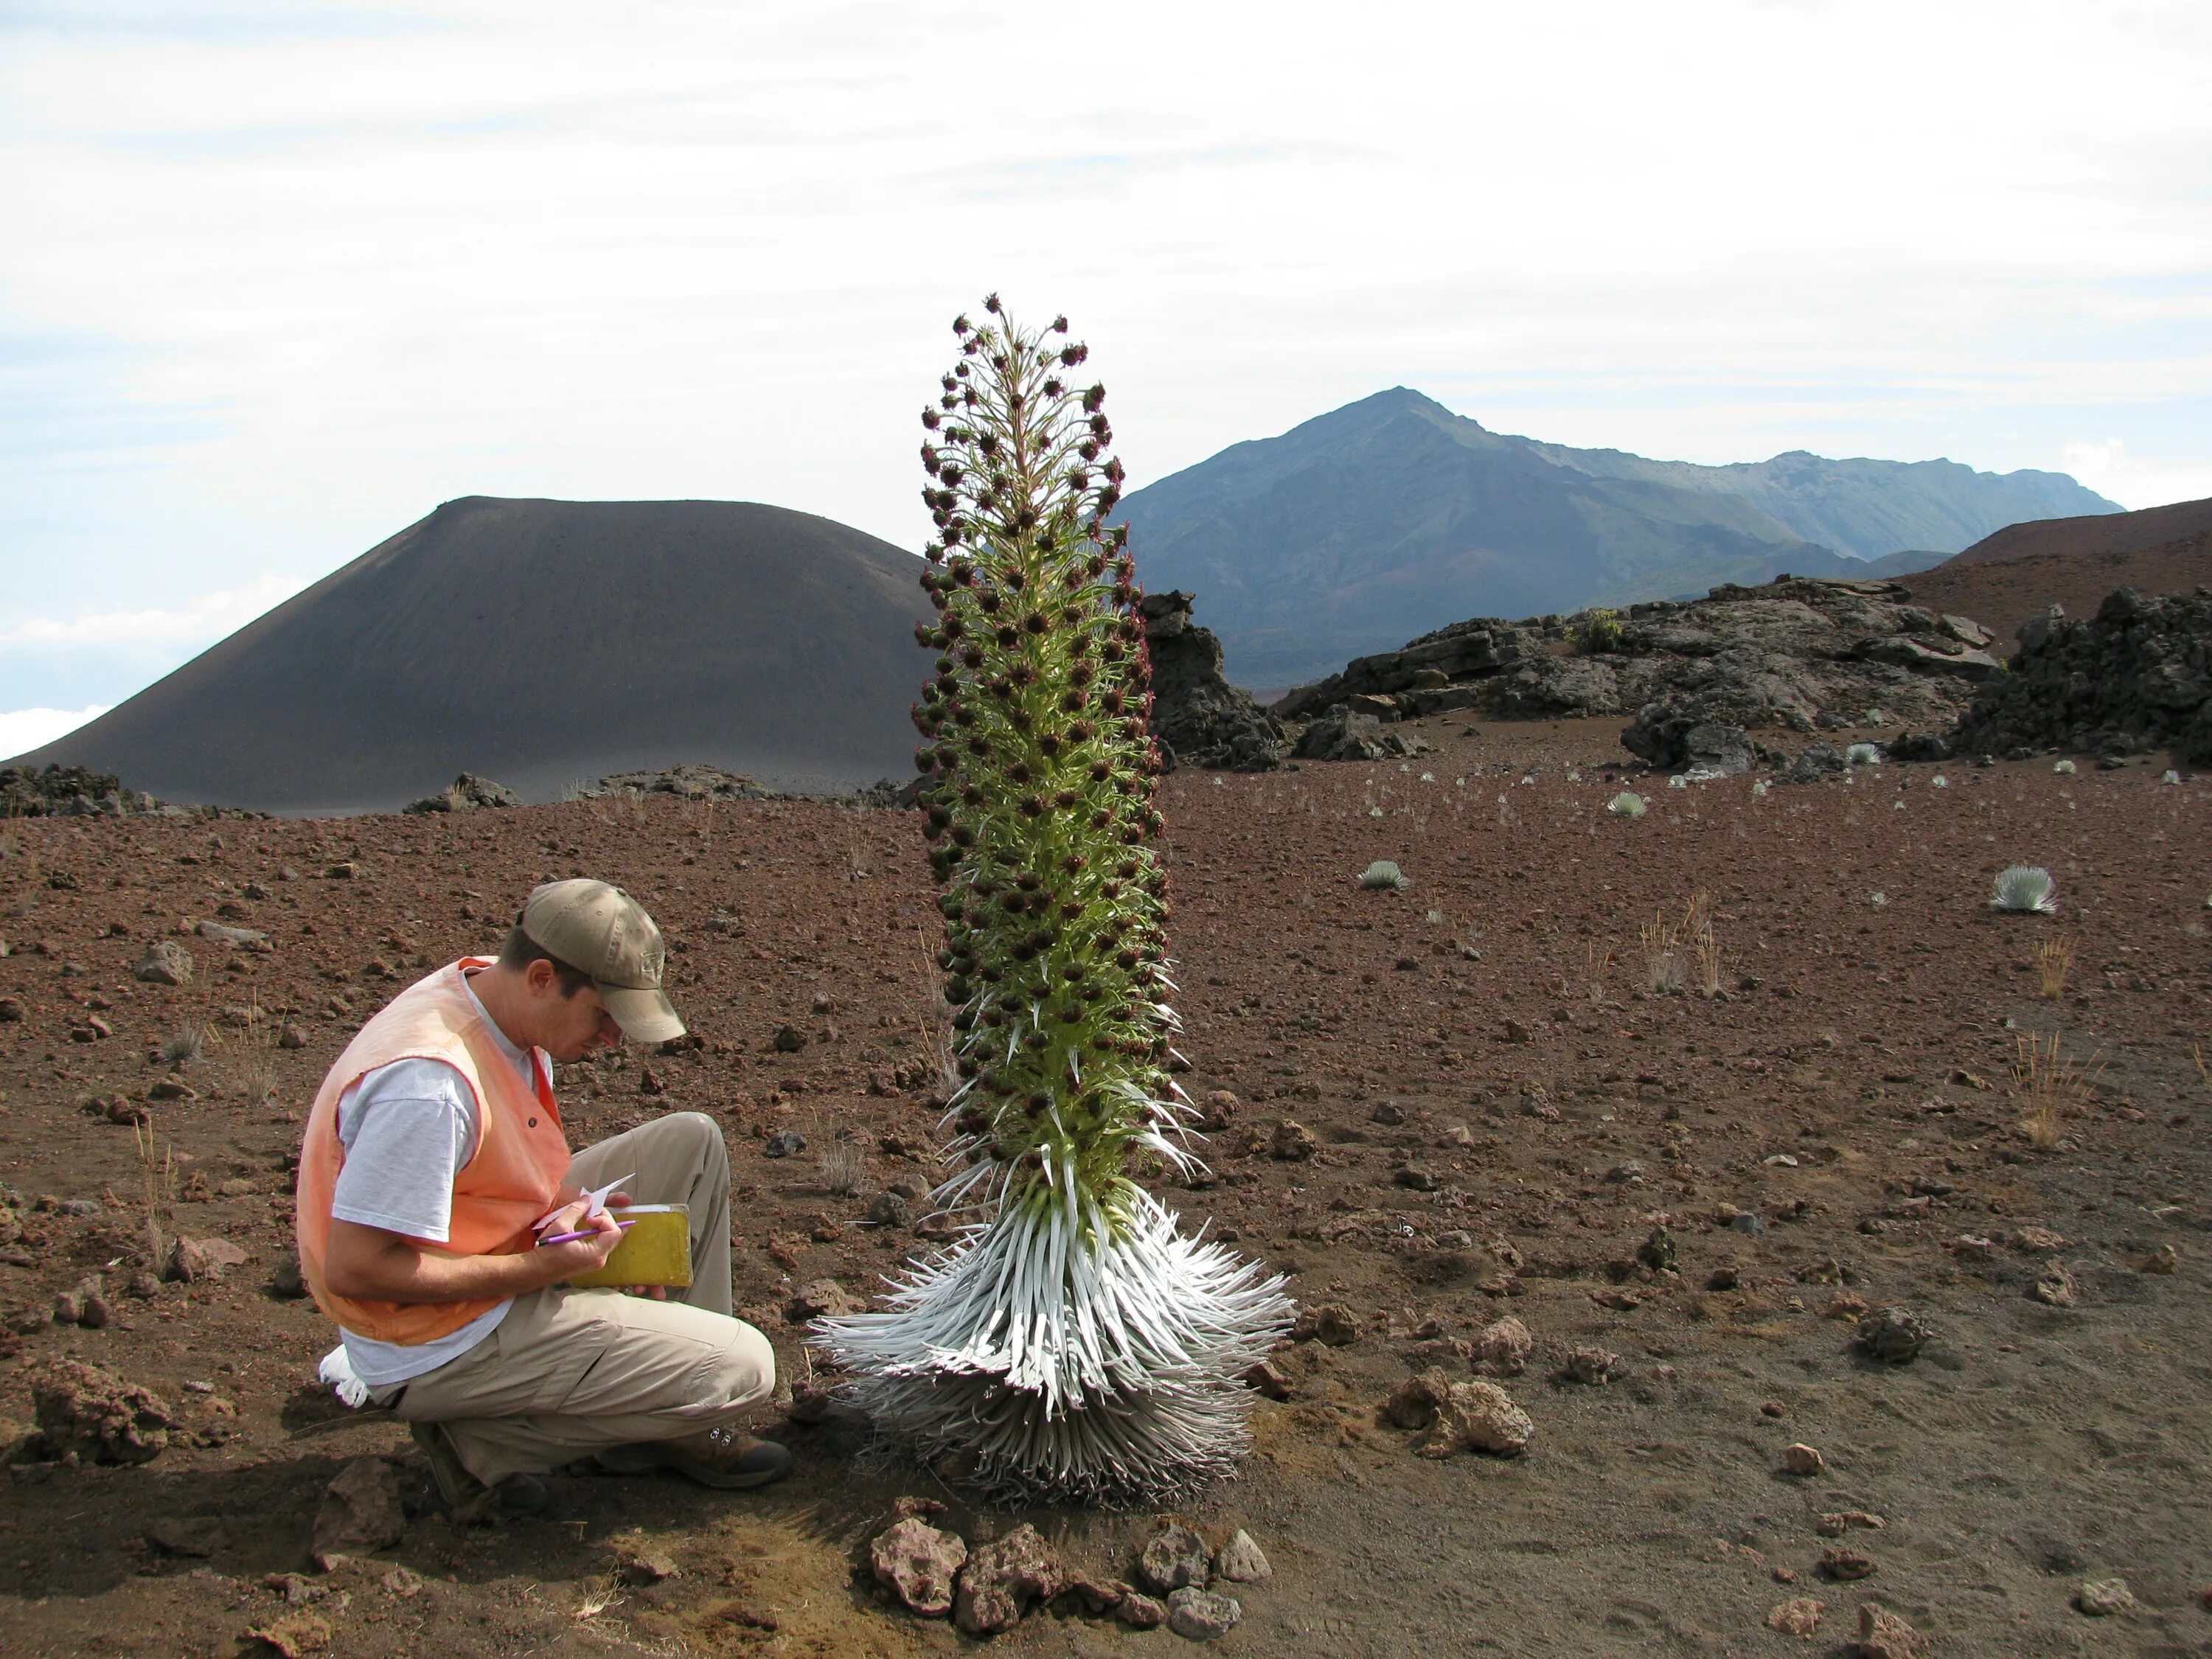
(1074, 1344)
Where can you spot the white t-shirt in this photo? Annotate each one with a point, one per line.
(408, 1129)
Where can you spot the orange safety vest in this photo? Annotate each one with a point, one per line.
(518, 1172)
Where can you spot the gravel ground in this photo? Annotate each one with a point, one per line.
(1501, 1110)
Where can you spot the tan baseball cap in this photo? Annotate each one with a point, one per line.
(597, 928)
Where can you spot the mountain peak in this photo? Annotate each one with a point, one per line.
(1391, 516)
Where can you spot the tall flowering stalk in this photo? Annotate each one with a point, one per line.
(1073, 1343)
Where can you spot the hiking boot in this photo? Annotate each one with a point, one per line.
(720, 1457)
(467, 1498)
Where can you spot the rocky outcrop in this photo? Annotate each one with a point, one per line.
(67, 791)
(1198, 717)
(466, 794)
(1797, 654)
(691, 782)
(1349, 734)
(1678, 741)
(2134, 677)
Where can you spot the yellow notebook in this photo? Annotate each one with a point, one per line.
(656, 1250)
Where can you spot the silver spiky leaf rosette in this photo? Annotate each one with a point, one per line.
(2024, 890)
(1058, 1353)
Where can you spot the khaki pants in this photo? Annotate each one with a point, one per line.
(569, 1372)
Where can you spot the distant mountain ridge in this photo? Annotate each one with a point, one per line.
(1376, 522)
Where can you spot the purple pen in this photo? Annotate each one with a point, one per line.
(569, 1238)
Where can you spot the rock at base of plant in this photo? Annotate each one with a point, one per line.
(1004, 1580)
(1241, 1561)
(920, 1563)
(1198, 1615)
(1173, 1558)
(1140, 1612)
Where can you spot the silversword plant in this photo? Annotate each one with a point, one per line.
(2026, 888)
(1074, 1343)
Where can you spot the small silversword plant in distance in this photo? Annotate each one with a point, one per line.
(2025, 888)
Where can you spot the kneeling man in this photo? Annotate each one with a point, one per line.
(435, 1156)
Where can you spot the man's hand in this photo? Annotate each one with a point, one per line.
(578, 1255)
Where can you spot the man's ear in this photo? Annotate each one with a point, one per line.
(540, 975)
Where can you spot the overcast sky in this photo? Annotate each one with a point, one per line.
(280, 275)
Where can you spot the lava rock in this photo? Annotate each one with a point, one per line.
(2055, 1287)
(1844, 1566)
(1591, 1366)
(192, 1259)
(1803, 1459)
(361, 1512)
(1198, 1615)
(919, 1563)
(784, 1143)
(820, 1298)
(2104, 1598)
(95, 1413)
(1266, 1379)
(1502, 1347)
(1677, 737)
(1199, 718)
(1816, 764)
(1797, 1617)
(466, 793)
(1004, 1580)
(166, 963)
(1459, 1416)
(1883, 1635)
(2131, 680)
(638, 1568)
(1173, 1558)
(197, 1536)
(1331, 1324)
(1345, 734)
(1293, 1142)
(890, 1210)
(1241, 1560)
(1140, 1612)
(1893, 1335)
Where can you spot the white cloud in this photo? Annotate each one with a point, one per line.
(333, 263)
(201, 622)
(2107, 467)
(22, 730)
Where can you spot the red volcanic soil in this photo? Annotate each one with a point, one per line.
(2003, 596)
(2098, 532)
(1850, 1089)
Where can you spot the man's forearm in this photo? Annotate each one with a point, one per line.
(368, 1264)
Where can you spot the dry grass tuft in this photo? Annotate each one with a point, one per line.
(2054, 960)
(188, 1042)
(2049, 1087)
(157, 1172)
(257, 1067)
(1594, 967)
(1684, 954)
(844, 1168)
